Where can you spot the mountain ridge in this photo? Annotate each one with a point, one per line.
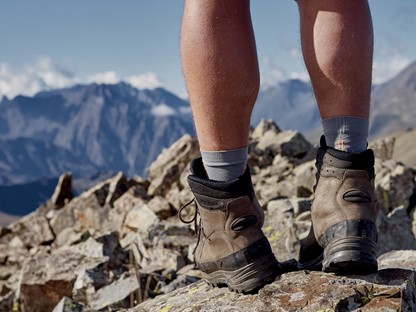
(88, 129)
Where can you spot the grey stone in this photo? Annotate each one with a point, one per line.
(161, 207)
(164, 258)
(403, 259)
(96, 270)
(394, 183)
(287, 143)
(63, 191)
(177, 198)
(179, 282)
(117, 187)
(140, 218)
(87, 282)
(395, 231)
(383, 148)
(388, 290)
(46, 278)
(82, 213)
(265, 125)
(168, 167)
(89, 248)
(66, 237)
(172, 235)
(282, 229)
(119, 294)
(304, 177)
(7, 301)
(33, 229)
(68, 305)
(121, 207)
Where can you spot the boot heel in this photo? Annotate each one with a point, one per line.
(350, 247)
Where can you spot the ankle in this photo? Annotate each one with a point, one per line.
(346, 133)
(225, 165)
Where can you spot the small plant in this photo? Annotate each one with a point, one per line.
(368, 294)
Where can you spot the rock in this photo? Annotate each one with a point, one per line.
(387, 290)
(304, 177)
(68, 305)
(179, 282)
(89, 248)
(119, 294)
(140, 218)
(283, 180)
(168, 167)
(91, 210)
(179, 198)
(87, 282)
(395, 231)
(263, 127)
(6, 301)
(161, 207)
(402, 259)
(117, 187)
(287, 143)
(120, 242)
(121, 207)
(412, 216)
(261, 138)
(16, 242)
(138, 254)
(46, 278)
(63, 191)
(112, 249)
(82, 213)
(32, 229)
(110, 190)
(281, 168)
(67, 237)
(394, 184)
(175, 236)
(383, 148)
(282, 229)
(164, 258)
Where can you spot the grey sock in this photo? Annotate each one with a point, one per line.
(346, 133)
(225, 165)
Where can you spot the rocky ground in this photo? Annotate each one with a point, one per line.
(120, 246)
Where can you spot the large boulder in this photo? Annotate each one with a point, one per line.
(387, 290)
(168, 167)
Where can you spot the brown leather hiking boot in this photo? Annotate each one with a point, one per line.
(344, 235)
(231, 247)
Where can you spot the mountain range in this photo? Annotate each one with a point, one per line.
(292, 105)
(97, 129)
(87, 129)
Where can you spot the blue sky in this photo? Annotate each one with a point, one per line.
(50, 44)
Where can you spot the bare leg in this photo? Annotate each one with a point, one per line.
(337, 45)
(221, 70)
(222, 77)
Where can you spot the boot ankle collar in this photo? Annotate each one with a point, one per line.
(200, 184)
(347, 160)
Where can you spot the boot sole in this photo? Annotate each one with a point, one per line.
(350, 255)
(248, 278)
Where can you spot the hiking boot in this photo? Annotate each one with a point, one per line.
(231, 247)
(344, 235)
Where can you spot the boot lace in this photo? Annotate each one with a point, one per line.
(195, 219)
